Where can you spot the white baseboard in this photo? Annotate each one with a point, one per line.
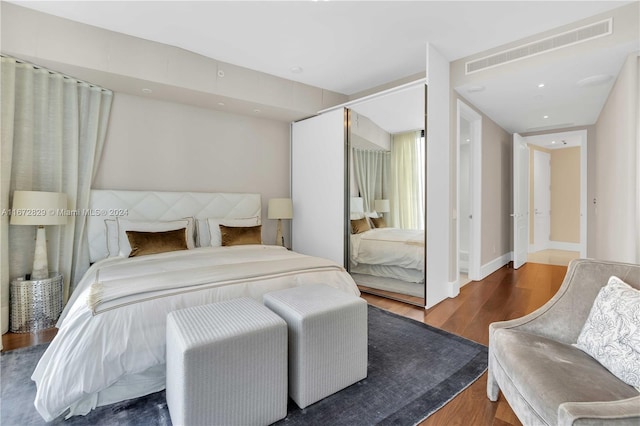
(561, 245)
(497, 263)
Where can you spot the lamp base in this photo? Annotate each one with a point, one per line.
(279, 238)
(40, 263)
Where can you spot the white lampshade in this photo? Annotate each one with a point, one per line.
(357, 205)
(381, 206)
(280, 208)
(38, 208)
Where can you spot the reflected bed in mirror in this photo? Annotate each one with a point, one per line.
(387, 233)
(392, 253)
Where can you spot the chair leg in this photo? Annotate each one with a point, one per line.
(493, 389)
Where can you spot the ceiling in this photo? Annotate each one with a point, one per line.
(556, 140)
(352, 46)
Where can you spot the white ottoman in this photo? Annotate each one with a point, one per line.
(226, 364)
(327, 339)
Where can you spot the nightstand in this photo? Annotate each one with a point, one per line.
(35, 304)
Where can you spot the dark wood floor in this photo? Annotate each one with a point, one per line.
(503, 295)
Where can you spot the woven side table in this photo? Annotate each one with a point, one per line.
(35, 304)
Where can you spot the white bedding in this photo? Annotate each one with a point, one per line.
(408, 275)
(389, 246)
(118, 352)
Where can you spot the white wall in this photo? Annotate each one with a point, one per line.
(616, 170)
(166, 146)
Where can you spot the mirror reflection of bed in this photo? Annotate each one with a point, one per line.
(387, 166)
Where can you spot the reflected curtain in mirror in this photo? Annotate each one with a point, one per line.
(406, 192)
(371, 171)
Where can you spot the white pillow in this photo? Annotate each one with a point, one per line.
(209, 229)
(611, 334)
(124, 225)
(112, 237)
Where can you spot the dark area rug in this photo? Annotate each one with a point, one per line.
(414, 369)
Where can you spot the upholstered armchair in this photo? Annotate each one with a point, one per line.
(547, 380)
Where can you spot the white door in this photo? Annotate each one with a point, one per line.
(520, 201)
(541, 199)
(318, 186)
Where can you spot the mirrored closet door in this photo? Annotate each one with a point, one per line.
(358, 189)
(386, 188)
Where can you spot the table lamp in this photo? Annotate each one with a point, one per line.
(39, 208)
(357, 205)
(280, 208)
(381, 206)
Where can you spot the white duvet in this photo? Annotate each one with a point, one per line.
(114, 347)
(390, 247)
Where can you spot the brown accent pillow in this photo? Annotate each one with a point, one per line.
(378, 222)
(143, 243)
(240, 235)
(360, 225)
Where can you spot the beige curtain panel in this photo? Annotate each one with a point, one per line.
(372, 175)
(406, 195)
(53, 131)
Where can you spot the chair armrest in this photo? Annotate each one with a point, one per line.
(619, 413)
(564, 315)
(528, 322)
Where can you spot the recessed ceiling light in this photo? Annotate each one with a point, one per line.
(541, 85)
(473, 89)
(552, 142)
(468, 140)
(545, 116)
(146, 90)
(221, 103)
(296, 70)
(257, 111)
(594, 80)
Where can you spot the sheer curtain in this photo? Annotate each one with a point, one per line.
(53, 131)
(371, 170)
(406, 195)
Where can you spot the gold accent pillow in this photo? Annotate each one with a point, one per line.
(360, 225)
(378, 222)
(143, 243)
(240, 235)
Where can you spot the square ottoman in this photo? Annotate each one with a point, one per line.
(226, 364)
(327, 339)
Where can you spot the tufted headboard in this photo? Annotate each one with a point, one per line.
(160, 205)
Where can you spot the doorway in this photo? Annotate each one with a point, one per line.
(469, 184)
(558, 184)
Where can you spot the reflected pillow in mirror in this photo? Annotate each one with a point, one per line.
(360, 225)
(144, 243)
(240, 235)
(378, 222)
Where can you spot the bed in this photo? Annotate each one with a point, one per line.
(389, 253)
(111, 340)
